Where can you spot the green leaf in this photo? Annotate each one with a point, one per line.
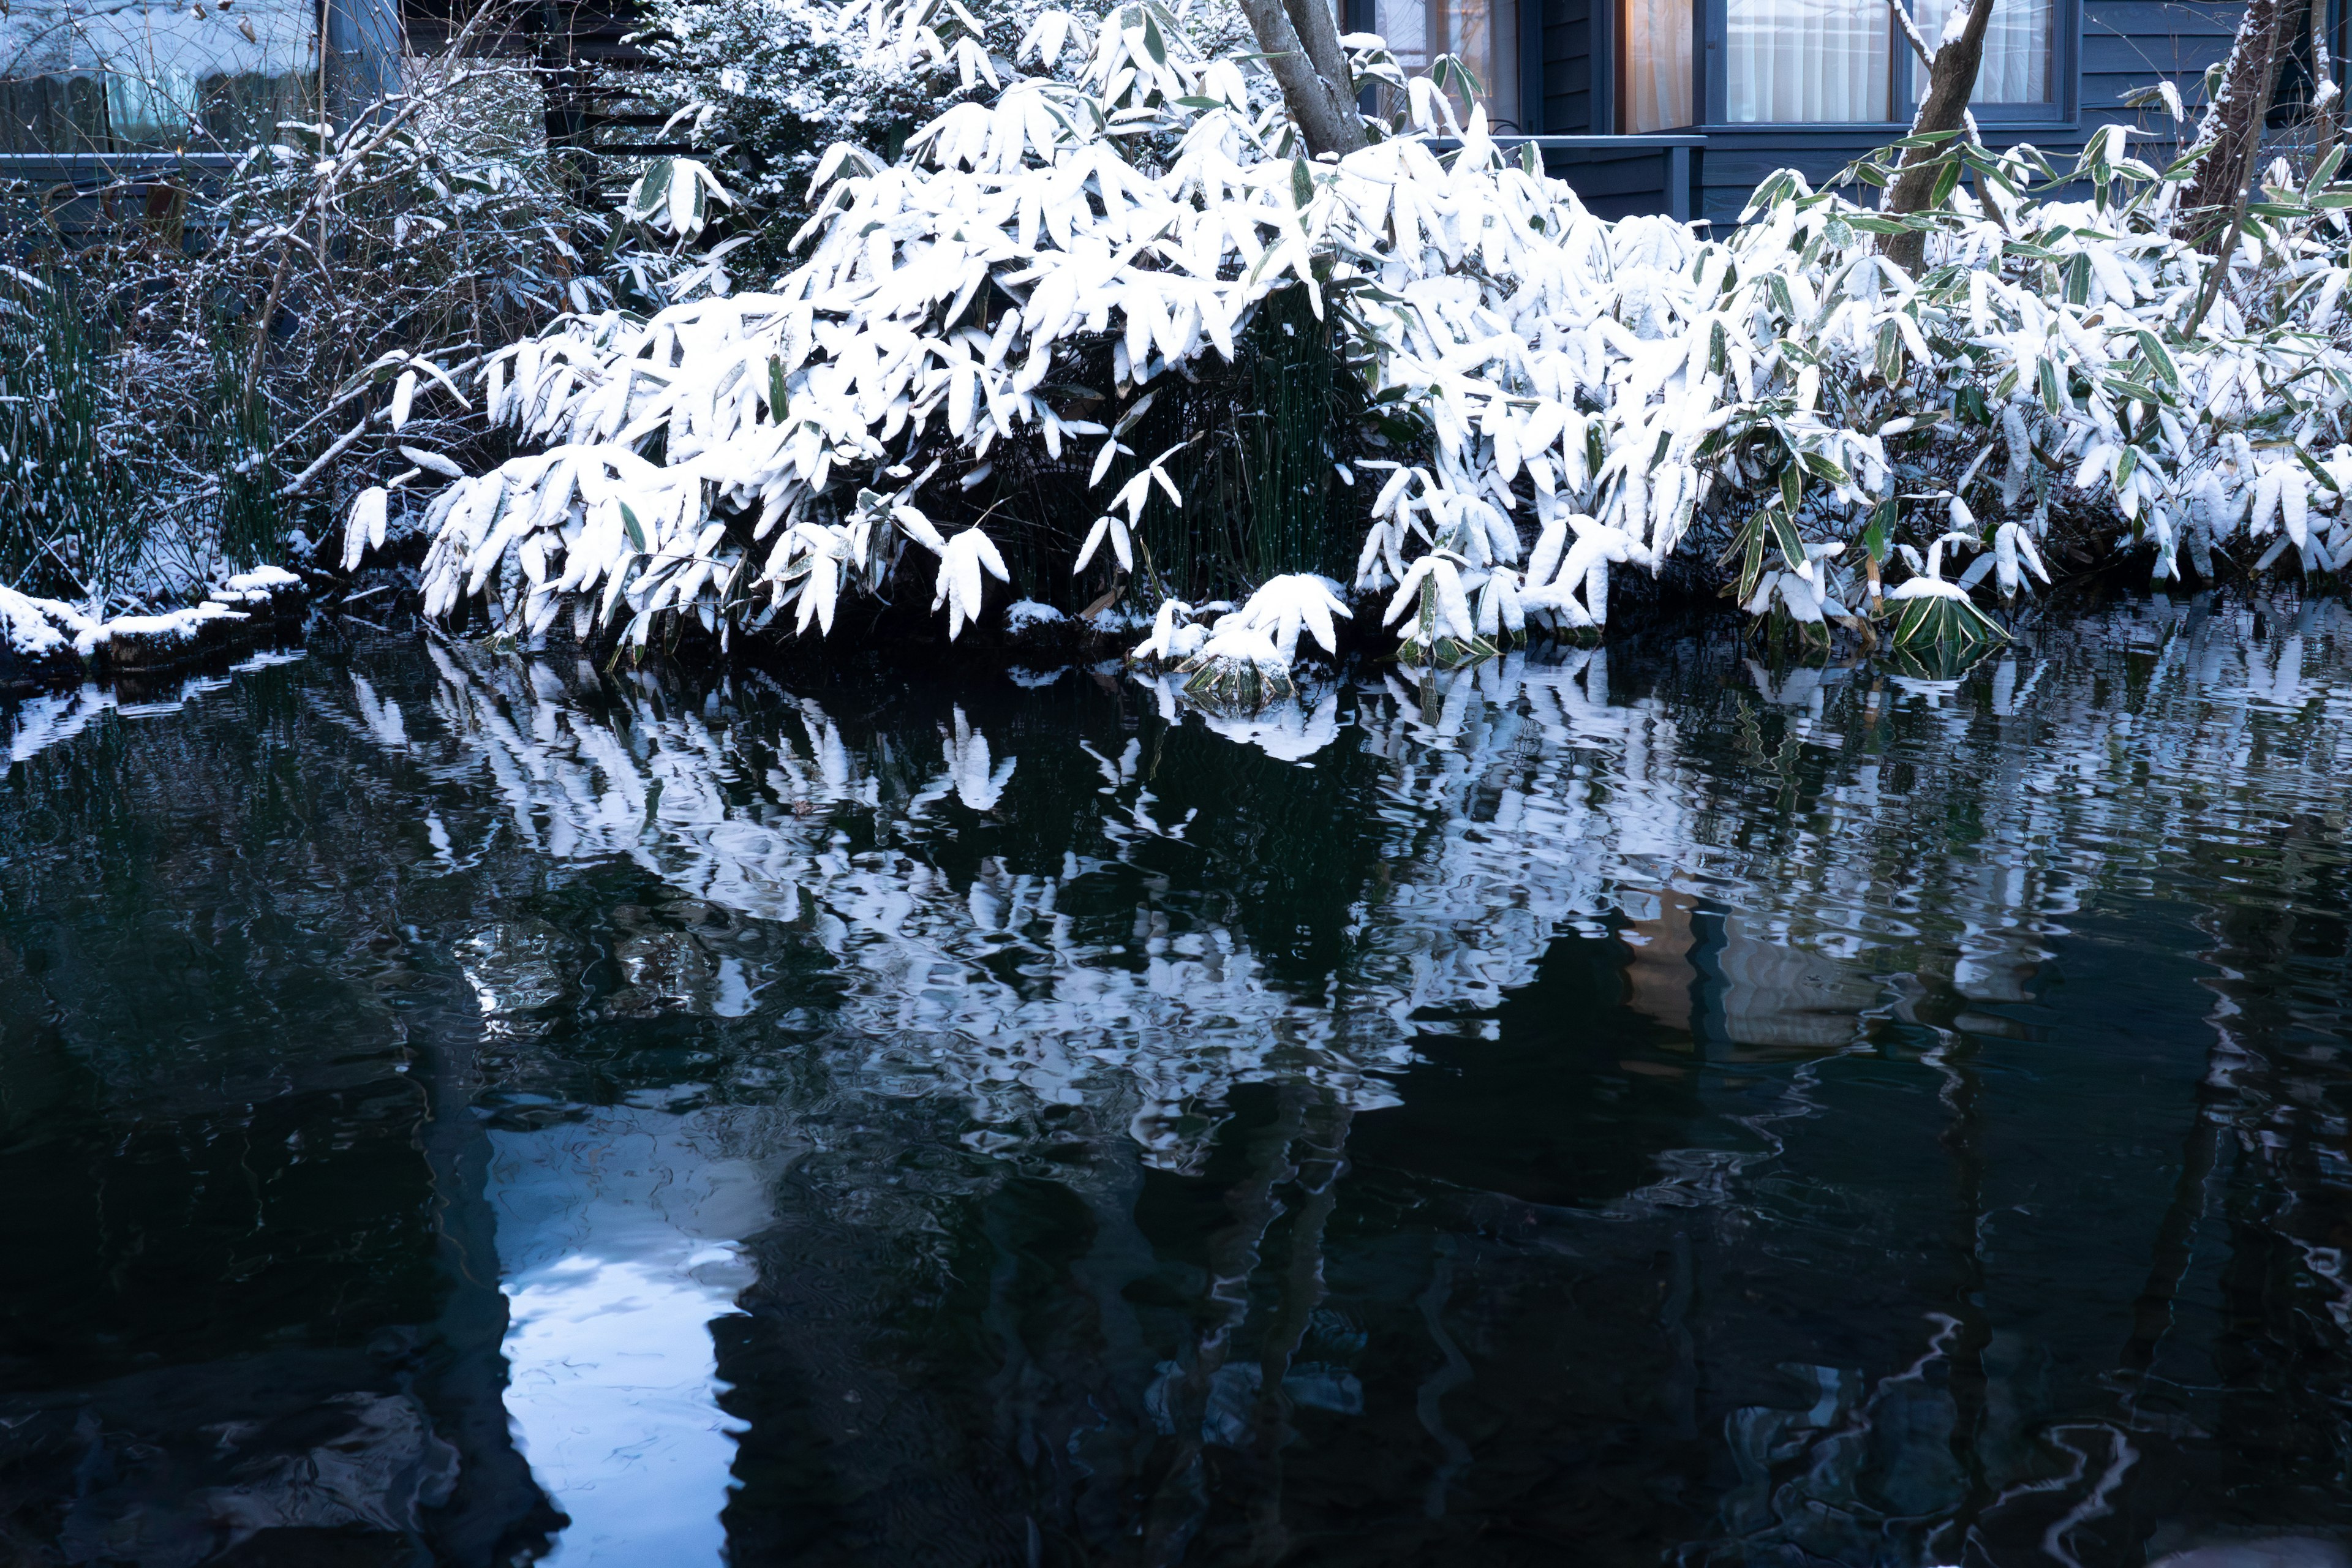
(1302, 182)
(1751, 564)
(777, 400)
(1876, 224)
(1882, 524)
(2327, 170)
(1824, 468)
(1792, 487)
(2153, 346)
(1890, 354)
(1968, 403)
(2078, 280)
(635, 530)
(2126, 466)
(654, 187)
(2181, 167)
(1784, 534)
(2311, 463)
(1197, 102)
(1947, 179)
(2045, 377)
(1715, 354)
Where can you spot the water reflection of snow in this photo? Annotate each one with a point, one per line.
(617, 1242)
(1793, 859)
(1514, 802)
(33, 725)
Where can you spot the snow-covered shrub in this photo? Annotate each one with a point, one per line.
(774, 83)
(188, 385)
(1550, 396)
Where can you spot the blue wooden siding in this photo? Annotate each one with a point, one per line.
(1568, 79)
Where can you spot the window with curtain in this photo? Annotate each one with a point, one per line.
(1799, 60)
(1818, 61)
(1654, 47)
(1485, 34)
(153, 74)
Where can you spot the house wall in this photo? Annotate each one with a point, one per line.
(1569, 46)
(2122, 46)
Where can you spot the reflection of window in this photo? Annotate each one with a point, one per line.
(1485, 34)
(1655, 64)
(1819, 61)
(153, 74)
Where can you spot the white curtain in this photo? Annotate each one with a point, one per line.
(1800, 61)
(1657, 65)
(2016, 68)
(1485, 35)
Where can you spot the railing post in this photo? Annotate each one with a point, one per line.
(1678, 184)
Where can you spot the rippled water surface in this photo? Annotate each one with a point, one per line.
(1603, 1108)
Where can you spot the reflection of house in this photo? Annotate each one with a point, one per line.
(1734, 991)
(96, 91)
(78, 79)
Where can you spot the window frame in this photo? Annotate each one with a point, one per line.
(1710, 27)
(1525, 55)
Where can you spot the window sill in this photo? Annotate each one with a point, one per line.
(1886, 130)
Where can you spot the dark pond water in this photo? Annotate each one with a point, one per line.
(1626, 1109)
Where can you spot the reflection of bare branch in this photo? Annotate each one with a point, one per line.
(1321, 1162)
(1176, 1508)
(1429, 1403)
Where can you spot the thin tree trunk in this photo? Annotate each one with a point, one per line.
(2323, 90)
(1319, 32)
(1312, 73)
(1952, 82)
(2232, 130)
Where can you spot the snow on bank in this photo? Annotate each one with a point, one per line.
(26, 630)
(51, 635)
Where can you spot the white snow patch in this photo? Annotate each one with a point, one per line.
(1023, 614)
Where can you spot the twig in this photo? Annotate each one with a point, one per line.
(342, 444)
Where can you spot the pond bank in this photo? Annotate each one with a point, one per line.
(48, 641)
